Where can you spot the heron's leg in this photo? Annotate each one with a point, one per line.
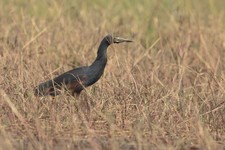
(75, 93)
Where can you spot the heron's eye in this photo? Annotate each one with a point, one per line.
(109, 39)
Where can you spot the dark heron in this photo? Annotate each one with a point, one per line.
(77, 79)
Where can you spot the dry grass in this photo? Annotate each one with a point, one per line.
(165, 91)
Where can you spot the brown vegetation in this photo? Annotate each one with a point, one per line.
(164, 91)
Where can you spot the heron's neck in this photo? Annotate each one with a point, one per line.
(102, 52)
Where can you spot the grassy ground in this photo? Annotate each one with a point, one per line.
(164, 91)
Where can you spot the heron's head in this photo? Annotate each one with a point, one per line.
(115, 39)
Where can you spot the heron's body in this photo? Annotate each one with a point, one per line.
(77, 79)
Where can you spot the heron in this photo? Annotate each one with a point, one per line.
(75, 80)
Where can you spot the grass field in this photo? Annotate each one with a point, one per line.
(166, 90)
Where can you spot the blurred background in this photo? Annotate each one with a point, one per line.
(165, 90)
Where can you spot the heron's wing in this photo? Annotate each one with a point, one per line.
(46, 88)
(73, 80)
(69, 79)
(75, 75)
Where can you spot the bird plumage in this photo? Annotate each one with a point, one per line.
(77, 79)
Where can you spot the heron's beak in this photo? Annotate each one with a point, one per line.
(120, 40)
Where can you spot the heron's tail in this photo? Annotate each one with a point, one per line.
(43, 89)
